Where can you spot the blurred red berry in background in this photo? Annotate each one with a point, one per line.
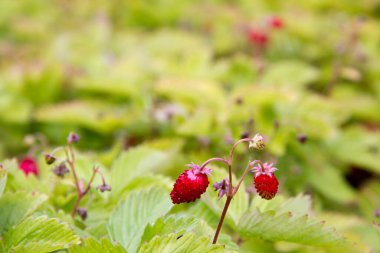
(276, 22)
(257, 37)
(29, 166)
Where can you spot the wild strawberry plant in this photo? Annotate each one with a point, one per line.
(141, 218)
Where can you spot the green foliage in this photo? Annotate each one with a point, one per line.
(141, 207)
(286, 227)
(16, 206)
(153, 85)
(91, 245)
(40, 234)
(185, 243)
(289, 222)
(135, 163)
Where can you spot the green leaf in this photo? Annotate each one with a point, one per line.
(327, 177)
(192, 92)
(186, 243)
(298, 205)
(15, 206)
(127, 223)
(288, 227)
(41, 234)
(94, 115)
(133, 163)
(3, 179)
(290, 73)
(199, 124)
(239, 203)
(168, 225)
(181, 224)
(92, 245)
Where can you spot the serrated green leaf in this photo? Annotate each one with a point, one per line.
(133, 163)
(92, 245)
(169, 225)
(186, 243)
(201, 210)
(141, 207)
(272, 226)
(15, 206)
(40, 234)
(181, 224)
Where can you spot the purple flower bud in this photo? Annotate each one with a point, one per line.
(302, 138)
(104, 187)
(49, 159)
(82, 212)
(222, 187)
(61, 170)
(73, 138)
(244, 135)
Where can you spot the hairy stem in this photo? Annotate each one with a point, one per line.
(213, 160)
(70, 158)
(231, 190)
(226, 205)
(249, 166)
(235, 146)
(82, 194)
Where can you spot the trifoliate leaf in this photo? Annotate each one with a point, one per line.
(141, 207)
(41, 234)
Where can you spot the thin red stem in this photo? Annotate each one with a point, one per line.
(235, 145)
(226, 205)
(213, 160)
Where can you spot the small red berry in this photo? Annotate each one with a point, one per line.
(190, 185)
(266, 185)
(29, 165)
(257, 37)
(276, 23)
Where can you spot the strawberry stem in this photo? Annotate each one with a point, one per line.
(226, 205)
(213, 160)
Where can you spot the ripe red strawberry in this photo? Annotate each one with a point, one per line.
(266, 185)
(257, 37)
(29, 165)
(190, 185)
(276, 22)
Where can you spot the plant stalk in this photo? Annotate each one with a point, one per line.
(226, 205)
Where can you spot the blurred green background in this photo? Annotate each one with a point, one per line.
(185, 73)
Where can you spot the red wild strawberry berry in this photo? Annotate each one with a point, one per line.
(29, 165)
(276, 23)
(257, 37)
(190, 185)
(266, 185)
